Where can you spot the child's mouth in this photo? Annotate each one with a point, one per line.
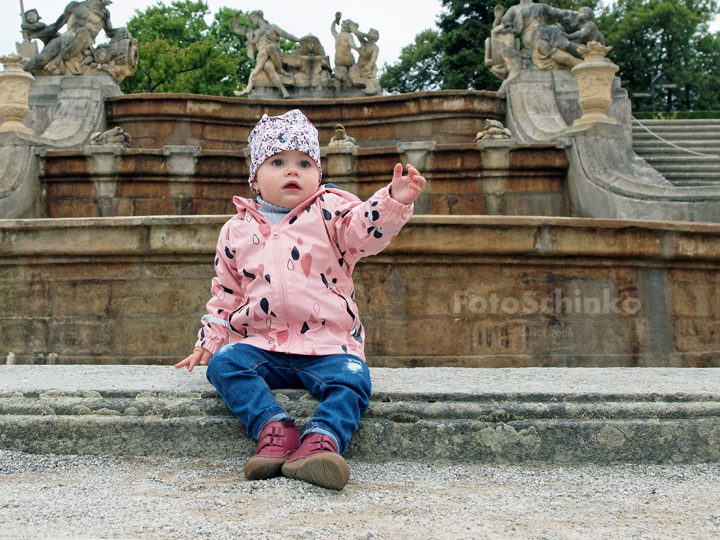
(292, 186)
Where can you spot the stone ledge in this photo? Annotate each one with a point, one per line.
(531, 415)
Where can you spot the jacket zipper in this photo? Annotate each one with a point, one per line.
(283, 292)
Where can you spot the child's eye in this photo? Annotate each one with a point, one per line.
(277, 162)
(304, 164)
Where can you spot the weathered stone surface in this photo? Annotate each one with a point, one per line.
(184, 180)
(447, 116)
(558, 416)
(449, 291)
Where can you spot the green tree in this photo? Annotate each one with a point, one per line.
(180, 52)
(668, 39)
(454, 55)
(703, 93)
(419, 67)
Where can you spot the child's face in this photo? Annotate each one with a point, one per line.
(287, 179)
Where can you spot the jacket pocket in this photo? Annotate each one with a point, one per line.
(236, 326)
(352, 310)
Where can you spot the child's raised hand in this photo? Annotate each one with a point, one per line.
(199, 355)
(405, 189)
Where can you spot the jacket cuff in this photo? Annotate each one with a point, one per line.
(390, 209)
(210, 343)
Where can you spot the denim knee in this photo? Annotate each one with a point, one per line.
(218, 362)
(359, 381)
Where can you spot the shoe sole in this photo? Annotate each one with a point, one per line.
(262, 468)
(327, 470)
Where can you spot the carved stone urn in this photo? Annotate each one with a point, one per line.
(14, 89)
(595, 77)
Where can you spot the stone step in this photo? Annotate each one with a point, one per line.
(691, 179)
(675, 164)
(706, 122)
(684, 158)
(678, 128)
(524, 415)
(711, 139)
(686, 168)
(696, 146)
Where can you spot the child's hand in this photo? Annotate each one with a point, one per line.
(199, 355)
(405, 189)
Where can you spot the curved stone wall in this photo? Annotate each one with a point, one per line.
(219, 123)
(462, 179)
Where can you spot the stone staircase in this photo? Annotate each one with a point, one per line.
(524, 415)
(678, 166)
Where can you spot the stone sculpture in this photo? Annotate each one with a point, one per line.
(522, 38)
(363, 72)
(341, 138)
(112, 137)
(307, 72)
(344, 46)
(493, 130)
(74, 52)
(269, 60)
(308, 64)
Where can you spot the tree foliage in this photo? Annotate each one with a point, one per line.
(419, 67)
(668, 39)
(180, 52)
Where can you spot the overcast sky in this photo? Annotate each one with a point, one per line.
(398, 21)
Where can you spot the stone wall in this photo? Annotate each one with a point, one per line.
(218, 123)
(449, 291)
(462, 179)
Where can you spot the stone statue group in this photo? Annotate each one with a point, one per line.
(74, 52)
(522, 38)
(308, 66)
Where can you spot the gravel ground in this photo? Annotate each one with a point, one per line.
(85, 497)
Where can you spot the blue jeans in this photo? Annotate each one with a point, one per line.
(245, 375)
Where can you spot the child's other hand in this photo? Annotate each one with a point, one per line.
(199, 355)
(405, 189)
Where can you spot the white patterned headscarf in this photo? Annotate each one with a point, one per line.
(274, 134)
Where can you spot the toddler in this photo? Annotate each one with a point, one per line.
(283, 312)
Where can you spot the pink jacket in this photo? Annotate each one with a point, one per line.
(289, 287)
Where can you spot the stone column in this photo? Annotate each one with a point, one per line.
(14, 89)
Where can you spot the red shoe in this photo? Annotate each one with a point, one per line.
(317, 462)
(277, 440)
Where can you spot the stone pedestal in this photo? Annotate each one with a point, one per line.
(14, 90)
(341, 165)
(496, 162)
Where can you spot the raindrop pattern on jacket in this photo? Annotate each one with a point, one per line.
(288, 287)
